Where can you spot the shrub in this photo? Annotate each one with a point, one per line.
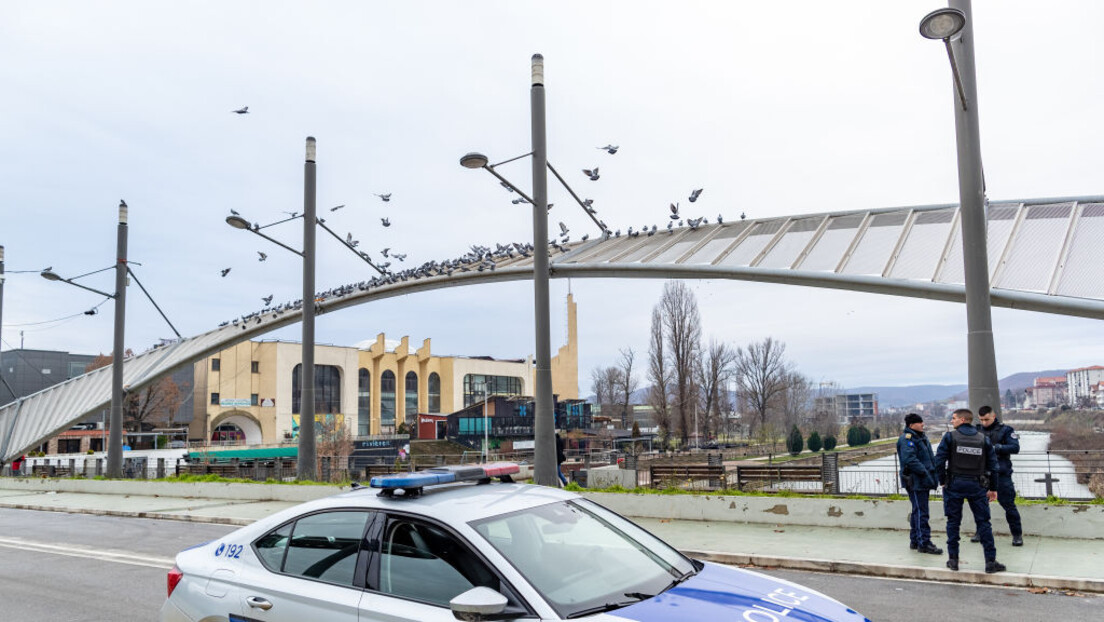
(814, 442)
(829, 443)
(858, 435)
(795, 443)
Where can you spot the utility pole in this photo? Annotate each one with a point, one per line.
(115, 431)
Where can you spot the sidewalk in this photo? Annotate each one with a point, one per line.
(1055, 563)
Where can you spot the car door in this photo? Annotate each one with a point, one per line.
(312, 568)
(416, 567)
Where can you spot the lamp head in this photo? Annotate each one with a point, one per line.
(942, 23)
(237, 222)
(473, 160)
(50, 275)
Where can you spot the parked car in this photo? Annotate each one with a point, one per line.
(448, 544)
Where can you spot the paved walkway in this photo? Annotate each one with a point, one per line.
(1055, 563)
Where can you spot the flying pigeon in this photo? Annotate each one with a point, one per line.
(694, 194)
(261, 256)
(399, 256)
(224, 271)
(592, 174)
(563, 228)
(610, 149)
(384, 197)
(506, 186)
(385, 221)
(242, 110)
(385, 251)
(674, 211)
(267, 299)
(334, 209)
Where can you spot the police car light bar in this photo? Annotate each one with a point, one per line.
(413, 482)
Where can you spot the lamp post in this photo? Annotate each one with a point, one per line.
(943, 24)
(486, 437)
(306, 464)
(544, 440)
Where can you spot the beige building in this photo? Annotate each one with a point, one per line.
(250, 392)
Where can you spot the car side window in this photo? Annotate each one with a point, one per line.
(423, 562)
(270, 547)
(320, 546)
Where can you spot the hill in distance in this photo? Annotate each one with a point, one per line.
(915, 394)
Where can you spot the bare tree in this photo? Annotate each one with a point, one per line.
(682, 328)
(334, 442)
(795, 401)
(714, 374)
(158, 402)
(626, 385)
(604, 381)
(761, 371)
(824, 419)
(659, 376)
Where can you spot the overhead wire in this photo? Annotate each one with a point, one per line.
(60, 319)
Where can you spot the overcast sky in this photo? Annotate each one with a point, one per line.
(774, 108)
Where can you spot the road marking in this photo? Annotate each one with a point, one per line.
(104, 555)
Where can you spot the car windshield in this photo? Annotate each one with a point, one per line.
(578, 555)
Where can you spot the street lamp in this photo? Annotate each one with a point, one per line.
(544, 439)
(943, 24)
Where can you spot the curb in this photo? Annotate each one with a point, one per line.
(887, 571)
(184, 518)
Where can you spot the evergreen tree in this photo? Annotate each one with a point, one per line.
(814, 442)
(795, 443)
(829, 443)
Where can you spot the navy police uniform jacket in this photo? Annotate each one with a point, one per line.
(946, 449)
(1005, 442)
(914, 451)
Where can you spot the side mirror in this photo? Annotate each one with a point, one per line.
(478, 604)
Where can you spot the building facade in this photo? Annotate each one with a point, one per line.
(250, 392)
(849, 407)
(29, 371)
(1081, 382)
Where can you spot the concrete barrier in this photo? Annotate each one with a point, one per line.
(1059, 521)
(188, 490)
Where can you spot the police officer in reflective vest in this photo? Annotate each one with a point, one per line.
(966, 466)
(914, 452)
(1006, 442)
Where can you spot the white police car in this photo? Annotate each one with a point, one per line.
(396, 552)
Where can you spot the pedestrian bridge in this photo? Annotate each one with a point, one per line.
(1044, 255)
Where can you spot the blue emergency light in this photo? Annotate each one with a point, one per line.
(412, 483)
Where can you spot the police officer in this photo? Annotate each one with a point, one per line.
(914, 453)
(1006, 442)
(966, 466)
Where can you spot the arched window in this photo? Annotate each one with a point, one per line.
(364, 402)
(327, 389)
(434, 393)
(228, 434)
(411, 406)
(387, 402)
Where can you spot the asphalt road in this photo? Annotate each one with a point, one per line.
(75, 567)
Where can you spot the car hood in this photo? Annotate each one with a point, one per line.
(726, 593)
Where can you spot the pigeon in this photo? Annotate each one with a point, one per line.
(670, 226)
(586, 236)
(506, 186)
(674, 211)
(122, 203)
(292, 214)
(742, 215)
(549, 206)
(385, 251)
(386, 222)
(694, 194)
(519, 201)
(267, 299)
(234, 212)
(224, 271)
(334, 209)
(261, 256)
(349, 238)
(92, 311)
(694, 222)
(384, 197)
(610, 149)
(399, 256)
(563, 228)
(242, 110)
(592, 174)
(588, 203)
(720, 220)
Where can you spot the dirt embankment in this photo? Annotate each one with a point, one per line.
(1079, 436)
